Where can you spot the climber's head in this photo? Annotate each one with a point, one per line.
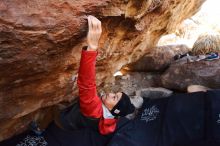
(118, 104)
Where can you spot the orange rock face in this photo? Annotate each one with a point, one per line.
(40, 44)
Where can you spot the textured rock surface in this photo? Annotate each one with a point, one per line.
(181, 74)
(40, 43)
(154, 92)
(158, 59)
(43, 117)
(133, 81)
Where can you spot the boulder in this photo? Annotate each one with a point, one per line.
(182, 74)
(158, 92)
(41, 41)
(133, 81)
(158, 59)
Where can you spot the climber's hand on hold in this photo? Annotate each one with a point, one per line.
(94, 33)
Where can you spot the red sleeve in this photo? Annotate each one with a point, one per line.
(107, 126)
(90, 103)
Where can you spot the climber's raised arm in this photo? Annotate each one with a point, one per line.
(90, 103)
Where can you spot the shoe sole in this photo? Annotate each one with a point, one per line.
(197, 88)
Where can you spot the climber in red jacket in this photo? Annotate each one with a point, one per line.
(92, 111)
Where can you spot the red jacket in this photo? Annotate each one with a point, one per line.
(90, 103)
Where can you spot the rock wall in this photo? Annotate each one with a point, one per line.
(40, 44)
(158, 60)
(162, 68)
(182, 73)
